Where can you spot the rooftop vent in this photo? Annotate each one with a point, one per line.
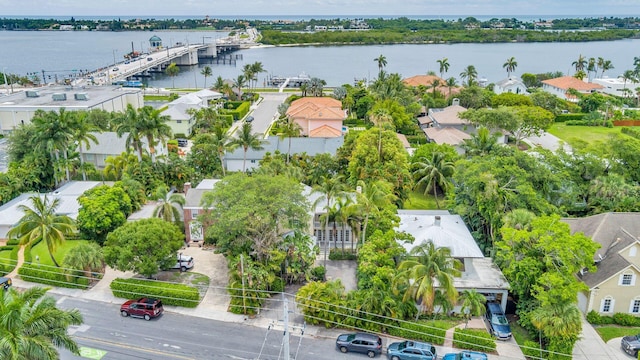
(436, 221)
(32, 94)
(59, 97)
(81, 96)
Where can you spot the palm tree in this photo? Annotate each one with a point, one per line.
(86, 257)
(433, 173)
(444, 66)
(592, 67)
(304, 87)
(206, 72)
(580, 64)
(560, 322)
(606, 65)
(510, 65)
(154, 127)
(451, 83)
(331, 187)
(380, 118)
(42, 223)
(472, 304)
(470, 74)
(518, 219)
(238, 83)
(316, 86)
(129, 122)
(434, 85)
(370, 198)
(257, 68)
(382, 62)
(426, 270)
(247, 140)
(117, 166)
(172, 71)
(481, 143)
(32, 327)
(289, 130)
(627, 76)
(166, 210)
(248, 73)
(221, 143)
(54, 132)
(82, 134)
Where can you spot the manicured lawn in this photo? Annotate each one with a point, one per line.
(418, 201)
(45, 259)
(578, 134)
(8, 260)
(608, 332)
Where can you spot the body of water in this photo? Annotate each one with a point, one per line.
(61, 52)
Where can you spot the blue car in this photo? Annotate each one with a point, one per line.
(411, 350)
(463, 355)
(498, 323)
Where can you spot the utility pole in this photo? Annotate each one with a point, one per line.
(286, 334)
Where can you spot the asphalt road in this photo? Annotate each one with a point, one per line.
(267, 111)
(174, 336)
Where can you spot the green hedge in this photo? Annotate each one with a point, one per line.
(621, 319)
(13, 242)
(416, 139)
(428, 331)
(8, 264)
(531, 350)
(237, 109)
(625, 130)
(337, 254)
(567, 117)
(51, 275)
(169, 293)
(472, 339)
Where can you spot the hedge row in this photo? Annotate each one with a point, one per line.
(7, 265)
(338, 254)
(472, 339)
(608, 123)
(169, 293)
(237, 109)
(13, 242)
(567, 117)
(627, 130)
(621, 319)
(51, 275)
(417, 139)
(432, 332)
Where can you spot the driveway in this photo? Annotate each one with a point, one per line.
(592, 347)
(267, 111)
(547, 141)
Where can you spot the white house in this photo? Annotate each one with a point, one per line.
(616, 86)
(510, 85)
(178, 110)
(110, 144)
(560, 86)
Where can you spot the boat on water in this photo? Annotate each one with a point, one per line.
(293, 81)
(128, 83)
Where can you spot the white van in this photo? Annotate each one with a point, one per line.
(184, 262)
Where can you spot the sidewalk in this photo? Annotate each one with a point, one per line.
(590, 346)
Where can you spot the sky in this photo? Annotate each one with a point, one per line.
(246, 8)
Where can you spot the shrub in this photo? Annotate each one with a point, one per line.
(429, 331)
(51, 275)
(237, 109)
(318, 273)
(531, 350)
(593, 317)
(417, 139)
(626, 319)
(567, 117)
(337, 254)
(13, 242)
(8, 264)
(625, 130)
(277, 285)
(169, 293)
(472, 339)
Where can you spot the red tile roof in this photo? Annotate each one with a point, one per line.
(570, 82)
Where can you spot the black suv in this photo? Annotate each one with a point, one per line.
(360, 342)
(631, 344)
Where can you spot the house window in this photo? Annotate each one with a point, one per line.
(633, 251)
(606, 305)
(195, 212)
(635, 307)
(627, 279)
(179, 121)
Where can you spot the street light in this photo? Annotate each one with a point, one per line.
(4, 74)
(114, 56)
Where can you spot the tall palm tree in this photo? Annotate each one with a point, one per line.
(129, 123)
(221, 143)
(580, 64)
(606, 65)
(382, 62)
(82, 135)
(426, 270)
(167, 210)
(257, 68)
(472, 304)
(247, 140)
(331, 187)
(40, 222)
(381, 118)
(434, 86)
(627, 76)
(54, 132)
(117, 166)
(470, 74)
(451, 83)
(289, 130)
(86, 257)
(206, 72)
(154, 127)
(433, 173)
(172, 71)
(316, 86)
(238, 83)
(371, 198)
(481, 143)
(444, 66)
(510, 65)
(592, 67)
(32, 327)
(248, 73)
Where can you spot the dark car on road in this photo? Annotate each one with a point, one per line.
(466, 355)
(631, 344)
(145, 308)
(411, 350)
(498, 323)
(249, 119)
(360, 342)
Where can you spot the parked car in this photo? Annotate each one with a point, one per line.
(463, 355)
(182, 142)
(145, 308)
(5, 282)
(498, 323)
(115, 69)
(411, 350)
(149, 58)
(183, 262)
(631, 345)
(360, 342)
(249, 119)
